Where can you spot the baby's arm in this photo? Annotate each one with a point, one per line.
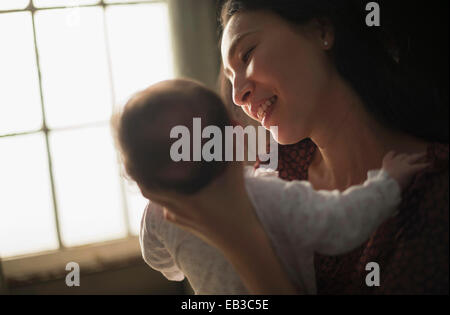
(333, 223)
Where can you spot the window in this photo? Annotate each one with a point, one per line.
(64, 67)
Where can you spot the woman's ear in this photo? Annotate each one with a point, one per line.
(326, 33)
(322, 31)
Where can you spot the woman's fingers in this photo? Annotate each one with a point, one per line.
(181, 219)
(168, 216)
(176, 219)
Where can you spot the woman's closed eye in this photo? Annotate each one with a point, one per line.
(247, 55)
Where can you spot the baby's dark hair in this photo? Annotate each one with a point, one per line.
(142, 134)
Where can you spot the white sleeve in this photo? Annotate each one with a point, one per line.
(331, 222)
(154, 251)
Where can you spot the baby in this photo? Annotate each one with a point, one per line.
(298, 220)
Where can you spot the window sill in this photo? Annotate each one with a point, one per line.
(51, 265)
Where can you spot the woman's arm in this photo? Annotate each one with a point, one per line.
(254, 259)
(223, 216)
(245, 244)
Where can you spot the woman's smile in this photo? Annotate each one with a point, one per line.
(267, 110)
(286, 63)
(261, 110)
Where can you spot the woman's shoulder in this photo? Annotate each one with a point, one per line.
(428, 193)
(413, 246)
(438, 155)
(437, 172)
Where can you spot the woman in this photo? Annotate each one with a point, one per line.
(342, 96)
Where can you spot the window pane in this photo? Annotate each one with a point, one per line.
(13, 4)
(27, 222)
(136, 204)
(62, 3)
(140, 46)
(87, 185)
(74, 68)
(20, 108)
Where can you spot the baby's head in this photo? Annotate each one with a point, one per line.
(142, 132)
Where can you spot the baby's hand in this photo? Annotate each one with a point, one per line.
(403, 167)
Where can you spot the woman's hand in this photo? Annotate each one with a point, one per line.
(223, 216)
(246, 246)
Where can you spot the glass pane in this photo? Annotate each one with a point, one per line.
(13, 4)
(74, 66)
(140, 46)
(27, 222)
(20, 108)
(62, 3)
(87, 185)
(136, 204)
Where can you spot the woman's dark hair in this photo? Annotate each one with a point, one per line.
(400, 69)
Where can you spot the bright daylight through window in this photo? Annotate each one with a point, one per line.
(65, 65)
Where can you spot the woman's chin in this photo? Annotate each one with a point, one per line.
(283, 136)
(285, 139)
(280, 142)
(280, 138)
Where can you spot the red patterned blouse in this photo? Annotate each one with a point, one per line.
(411, 249)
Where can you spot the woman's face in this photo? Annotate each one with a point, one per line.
(279, 73)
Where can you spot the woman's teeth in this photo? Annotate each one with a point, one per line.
(262, 110)
(261, 113)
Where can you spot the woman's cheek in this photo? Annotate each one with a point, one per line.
(251, 68)
(261, 66)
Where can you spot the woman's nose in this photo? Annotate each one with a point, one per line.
(241, 92)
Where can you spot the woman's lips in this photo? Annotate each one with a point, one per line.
(261, 110)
